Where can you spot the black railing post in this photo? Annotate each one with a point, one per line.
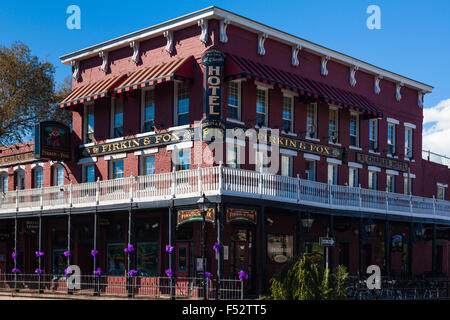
(220, 251)
(171, 280)
(40, 250)
(94, 256)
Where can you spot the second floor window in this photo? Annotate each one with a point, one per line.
(407, 185)
(4, 182)
(288, 114)
(354, 129)
(391, 139)
(353, 180)
(440, 192)
(38, 176)
(261, 161)
(311, 120)
(88, 123)
(287, 166)
(310, 170)
(333, 122)
(148, 110)
(117, 118)
(372, 180)
(116, 169)
(182, 104)
(88, 173)
(234, 100)
(332, 173)
(390, 183)
(408, 142)
(182, 159)
(261, 107)
(58, 175)
(233, 155)
(373, 135)
(148, 165)
(20, 179)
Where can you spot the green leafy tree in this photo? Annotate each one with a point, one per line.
(27, 93)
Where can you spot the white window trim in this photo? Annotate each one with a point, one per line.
(146, 151)
(394, 121)
(291, 97)
(143, 92)
(3, 170)
(411, 175)
(289, 152)
(184, 126)
(441, 185)
(37, 164)
(54, 168)
(19, 167)
(263, 86)
(357, 146)
(392, 172)
(311, 157)
(87, 160)
(34, 170)
(355, 165)
(115, 156)
(291, 165)
(374, 169)
(239, 142)
(114, 139)
(179, 146)
(407, 130)
(85, 121)
(336, 109)
(394, 138)
(409, 125)
(334, 161)
(375, 135)
(235, 121)
(239, 101)
(175, 107)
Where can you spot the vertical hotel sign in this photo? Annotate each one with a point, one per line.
(212, 125)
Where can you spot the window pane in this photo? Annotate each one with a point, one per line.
(59, 176)
(117, 169)
(118, 118)
(4, 183)
(149, 111)
(232, 155)
(89, 173)
(38, 178)
(149, 165)
(311, 121)
(311, 170)
(183, 104)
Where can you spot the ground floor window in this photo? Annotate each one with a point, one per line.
(115, 259)
(59, 262)
(147, 259)
(280, 247)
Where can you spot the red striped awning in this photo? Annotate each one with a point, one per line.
(179, 69)
(91, 91)
(238, 67)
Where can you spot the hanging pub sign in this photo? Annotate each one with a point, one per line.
(212, 125)
(52, 141)
(132, 144)
(246, 215)
(185, 216)
(372, 160)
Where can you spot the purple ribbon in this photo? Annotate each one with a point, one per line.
(169, 272)
(15, 270)
(14, 255)
(38, 271)
(98, 272)
(169, 248)
(242, 275)
(208, 275)
(216, 247)
(132, 273)
(129, 249)
(94, 252)
(67, 253)
(39, 254)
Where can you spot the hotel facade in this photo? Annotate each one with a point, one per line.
(288, 141)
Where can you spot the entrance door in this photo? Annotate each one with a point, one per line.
(182, 259)
(241, 259)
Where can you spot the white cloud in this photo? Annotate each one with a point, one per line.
(436, 128)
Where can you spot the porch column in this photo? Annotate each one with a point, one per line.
(387, 246)
(171, 212)
(433, 251)
(16, 239)
(331, 249)
(69, 236)
(299, 234)
(97, 284)
(262, 259)
(220, 252)
(360, 248)
(40, 250)
(130, 279)
(411, 250)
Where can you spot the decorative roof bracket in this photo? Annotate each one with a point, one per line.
(352, 75)
(135, 46)
(261, 38)
(168, 34)
(376, 87)
(295, 50)
(324, 70)
(104, 56)
(223, 30)
(203, 23)
(398, 95)
(76, 69)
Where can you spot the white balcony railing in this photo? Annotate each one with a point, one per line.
(221, 180)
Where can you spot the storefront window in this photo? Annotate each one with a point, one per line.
(59, 263)
(147, 259)
(115, 259)
(279, 247)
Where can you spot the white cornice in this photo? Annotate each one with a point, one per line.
(245, 23)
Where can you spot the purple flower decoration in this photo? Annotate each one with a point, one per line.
(169, 248)
(242, 275)
(14, 255)
(98, 272)
(94, 252)
(67, 271)
(39, 254)
(67, 253)
(132, 273)
(216, 247)
(169, 272)
(129, 249)
(15, 270)
(208, 275)
(38, 271)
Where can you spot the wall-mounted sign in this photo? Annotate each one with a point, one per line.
(372, 160)
(52, 141)
(155, 140)
(185, 216)
(31, 226)
(212, 125)
(397, 242)
(245, 215)
(294, 144)
(17, 158)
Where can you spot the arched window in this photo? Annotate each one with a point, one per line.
(57, 175)
(20, 179)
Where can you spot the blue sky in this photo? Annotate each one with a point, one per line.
(414, 40)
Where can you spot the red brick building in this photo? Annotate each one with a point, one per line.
(345, 148)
